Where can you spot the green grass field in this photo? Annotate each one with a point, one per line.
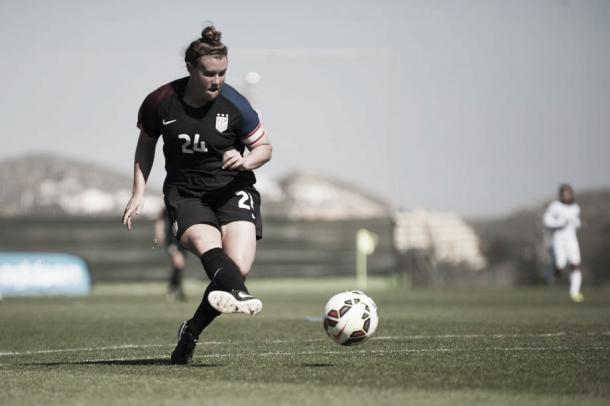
(446, 347)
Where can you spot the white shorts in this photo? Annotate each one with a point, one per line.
(566, 252)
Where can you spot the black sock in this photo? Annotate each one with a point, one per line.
(222, 271)
(175, 279)
(204, 314)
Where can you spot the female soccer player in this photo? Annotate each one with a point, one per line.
(209, 191)
(562, 219)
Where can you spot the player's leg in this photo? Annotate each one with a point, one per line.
(575, 284)
(205, 241)
(225, 278)
(180, 266)
(575, 274)
(196, 227)
(241, 227)
(551, 272)
(204, 314)
(197, 238)
(560, 257)
(239, 242)
(177, 262)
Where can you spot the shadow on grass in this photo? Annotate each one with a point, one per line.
(125, 362)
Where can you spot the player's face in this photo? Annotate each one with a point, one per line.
(208, 74)
(567, 196)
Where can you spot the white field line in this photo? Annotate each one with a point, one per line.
(396, 338)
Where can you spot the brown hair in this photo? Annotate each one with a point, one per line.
(208, 44)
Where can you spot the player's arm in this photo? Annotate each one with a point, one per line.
(259, 154)
(143, 161)
(552, 218)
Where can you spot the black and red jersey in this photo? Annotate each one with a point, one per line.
(194, 139)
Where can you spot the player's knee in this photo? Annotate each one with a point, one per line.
(244, 263)
(573, 267)
(198, 243)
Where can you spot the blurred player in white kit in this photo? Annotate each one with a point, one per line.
(562, 219)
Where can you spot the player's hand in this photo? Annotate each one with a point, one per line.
(133, 208)
(233, 160)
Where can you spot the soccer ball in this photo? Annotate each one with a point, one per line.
(350, 317)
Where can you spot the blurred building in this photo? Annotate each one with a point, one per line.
(444, 236)
(316, 197)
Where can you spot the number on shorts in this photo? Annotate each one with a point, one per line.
(243, 202)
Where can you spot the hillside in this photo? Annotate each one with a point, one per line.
(45, 184)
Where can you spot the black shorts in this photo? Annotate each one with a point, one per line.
(215, 208)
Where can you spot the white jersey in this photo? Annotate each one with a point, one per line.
(562, 220)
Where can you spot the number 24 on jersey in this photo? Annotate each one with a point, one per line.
(191, 146)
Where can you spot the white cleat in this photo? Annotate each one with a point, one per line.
(235, 301)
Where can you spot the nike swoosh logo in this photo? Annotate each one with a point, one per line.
(167, 122)
(242, 295)
(215, 273)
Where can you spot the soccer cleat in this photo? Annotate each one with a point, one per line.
(577, 297)
(235, 301)
(183, 353)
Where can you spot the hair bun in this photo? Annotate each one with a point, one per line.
(208, 44)
(210, 35)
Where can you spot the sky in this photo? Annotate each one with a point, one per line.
(478, 107)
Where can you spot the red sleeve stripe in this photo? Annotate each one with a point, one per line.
(254, 135)
(258, 139)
